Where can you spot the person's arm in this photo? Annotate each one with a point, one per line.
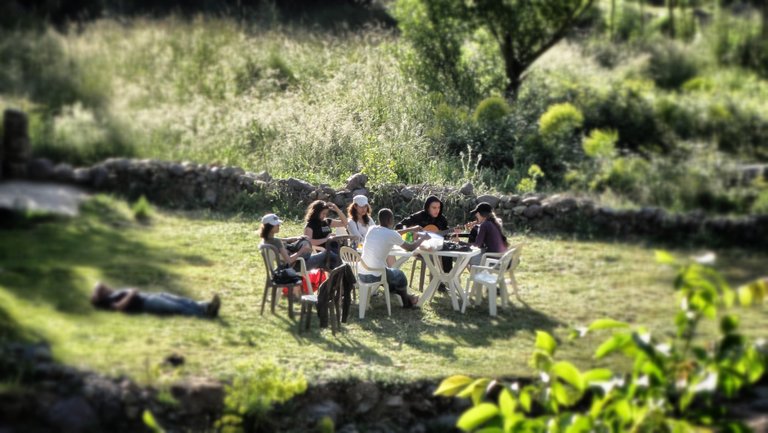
(284, 255)
(342, 221)
(481, 233)
(122, 304)
(406, 222)
(317, 242)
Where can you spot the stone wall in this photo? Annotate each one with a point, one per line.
(190, 185)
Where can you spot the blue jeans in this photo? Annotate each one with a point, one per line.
(397, 281)
(317, 260)
(166, 303)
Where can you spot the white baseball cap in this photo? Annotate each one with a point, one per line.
(271, 219)
(360, 200)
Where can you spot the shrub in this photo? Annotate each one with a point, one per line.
(253, 391)
(528, 184)
(677, 383)
(142, 210)
(491, 110)
(760, 205)
(600, 143)
(560, 119)
(670, 64)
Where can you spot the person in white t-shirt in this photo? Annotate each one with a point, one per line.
(378, 243)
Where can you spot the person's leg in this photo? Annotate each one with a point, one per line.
(475, 260)
(398, 284)
(315, 261)
(166, 303)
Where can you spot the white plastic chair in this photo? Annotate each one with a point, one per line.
(367, 290)
(351, 257)
(492, 274)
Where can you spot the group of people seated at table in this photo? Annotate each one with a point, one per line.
(319, 248)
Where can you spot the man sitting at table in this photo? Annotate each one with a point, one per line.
(378, 243)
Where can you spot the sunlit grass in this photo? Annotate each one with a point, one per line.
(48, 269)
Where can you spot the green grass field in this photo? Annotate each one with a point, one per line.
(48, 268)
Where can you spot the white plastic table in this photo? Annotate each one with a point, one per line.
(450, 279)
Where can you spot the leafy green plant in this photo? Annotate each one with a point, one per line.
(560, 119)
(528, 184)
(141, 209)
(676, 384)
(149, 420)
(600, 144)
(253, 391)
(491, 110)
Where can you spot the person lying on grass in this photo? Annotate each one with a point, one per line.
(133, 301)
(378, 243)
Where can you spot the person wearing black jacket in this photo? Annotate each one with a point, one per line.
(432, 214)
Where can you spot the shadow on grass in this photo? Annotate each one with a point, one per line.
(44, 262)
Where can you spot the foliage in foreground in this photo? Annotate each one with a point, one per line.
(675, 385)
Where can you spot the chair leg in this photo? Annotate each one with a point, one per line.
(264, 298)
(290, 306)
(421, 277)
(413, 269)
(362, 301)
(301, 315)
(309, 316)
(492, 299)
(389, 304)
(274, 298)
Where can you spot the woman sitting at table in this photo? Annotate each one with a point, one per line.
(318, 231)
(490, 237)
(432, 219)
(360, 219)
(270, 226)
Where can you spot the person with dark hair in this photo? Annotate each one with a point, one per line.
(318, 230)
(490, 236)
(432, 219)
(379, 242)
(270, 226)
(134, 301)
(360, 220)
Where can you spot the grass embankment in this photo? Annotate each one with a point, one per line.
(49, 268)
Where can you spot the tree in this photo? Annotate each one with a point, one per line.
(523, 29)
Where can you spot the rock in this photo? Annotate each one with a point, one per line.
(299, 185)
(490, 199)
(561, 204)
(176, 169)
(64, 172)
(210, 196)
(365, 396)
(318, 411)
(199, 395)
(529, 201)
(360, 191)
(99, 176)
(394, 401)
(82, 175)
(72, 415)
(533, 211)
(518, 210)
(227, 172)
(313, 195)
(467, 189)
(40, 169)
(407, 193)
(263, 176)
(356, 181)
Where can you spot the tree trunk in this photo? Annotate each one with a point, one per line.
(765, 19)
(671, 14)
(612, 28)
(512, 68)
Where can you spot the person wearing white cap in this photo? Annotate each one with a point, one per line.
(360, 219)
(270, 226)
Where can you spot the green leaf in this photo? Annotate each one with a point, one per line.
(475, 390)
(665, 258)
(564, 395)
(600, 324)
(506, 403)
(151, 422)
(616, 342)
(597, 375)
(452, 385)
(729, 323)
(623, 410)
(477, 416)
(569, 373)
(753, 293)
(545, 342)
(490, 430)
(525, 399)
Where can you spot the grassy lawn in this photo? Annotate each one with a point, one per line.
(47, 270)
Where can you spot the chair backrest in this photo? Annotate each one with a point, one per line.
(509, 261)
(350, 256)
(270, 255)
